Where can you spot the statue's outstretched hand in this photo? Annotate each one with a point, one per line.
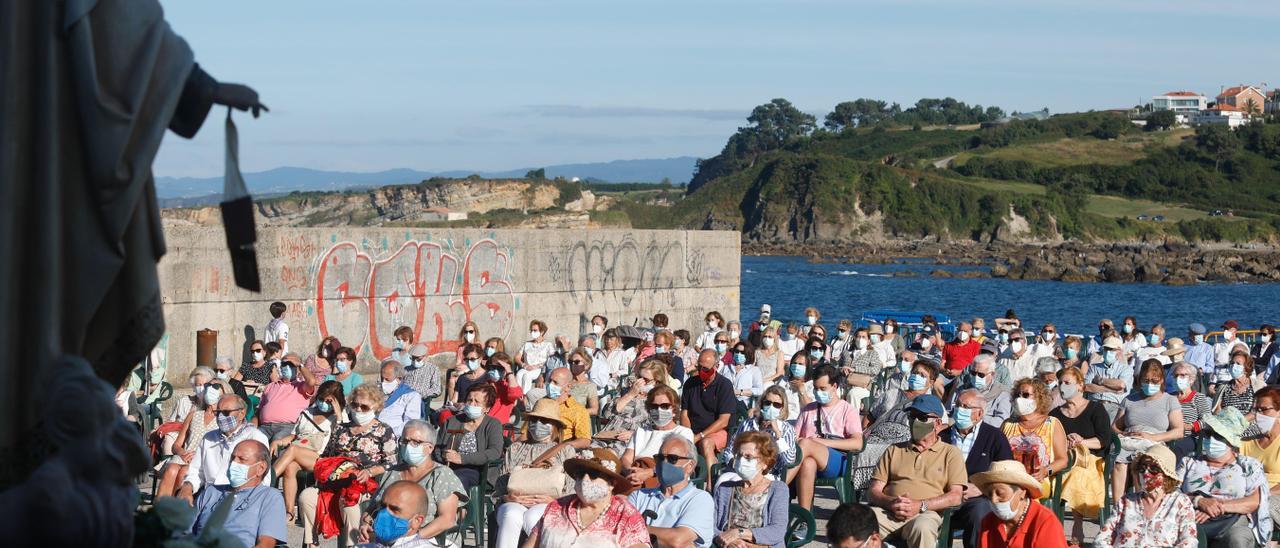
(239, 97)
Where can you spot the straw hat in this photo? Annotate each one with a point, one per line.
(1174, 347)
(1229, 424)
(1008, 471)
(602, 463)
(1163, 458)
(1113, 343)
(548, 409)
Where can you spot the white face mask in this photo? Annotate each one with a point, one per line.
(888, 329)
(813, 320)
(591, 491)
(1069, 391)
(597, 329)
(1004, 510)
(767, 342)
(1015, 346)
(533, 335)
(257, 356)
(925, 343)
(389, 386)
(861, 344)
(733, 335)
(712, 325)
(963, 335)
(747, 468)
(1026, 406)
(1264, 422)
(1265, 339)
(470, 337)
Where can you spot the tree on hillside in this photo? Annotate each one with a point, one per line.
(1110, 127)
(536, 174)
(862, 112)
(1218, 141)
(778, 122)
(1161, 119)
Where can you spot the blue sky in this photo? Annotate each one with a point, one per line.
(435, 85)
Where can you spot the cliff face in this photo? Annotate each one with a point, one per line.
(397, 203)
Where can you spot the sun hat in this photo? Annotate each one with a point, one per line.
(418, 350)
(875, 329)
(1114, 343)
(1228, 423)
(1198, 328)
(601, 462)
(1174, 347)
(548, 409)
(1007, 471)
(1164, 459)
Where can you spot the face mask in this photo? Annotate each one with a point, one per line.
(1004, 337)
(816, 353)
(1004, 510)
(473, 365)
(646, 388)
(1183, 383)
(721, 347)
(1197, 338)
(787, 336)
(1214, 447)
(1150, 388)
(875, 338)
(238, 474)
(323, 407)
(470, 337)
(1237, 370)
(1070, 353)
(286, 372)
(767, 342)
(888, 329)
(1229, 335)
(1069, 391)
(414, 363)
(1026, 406)
(474, 412)
(1265, 422)
(1127, 329)
(964, 418)
(592, 491)
(490, 351)
(1153, 339)
(823, 396)
(747, 468)
(916, 382)
(920, 429)
(979, 382)
(1109, 357)
(494, 375)
(342, 366)
(797, 370)
(1015, 346)
(712, 325)
(764, 317)
(533, 335)
(363, 418)
(813, 320)
(705, 375)
(947, 380)
(1048, 336)
(861, 344)
(399, 347)
(1265, 339)
(963, 336)
(669, 474)
(1151, 481)
(597, 329)
(842, 335)
(227, 423)
(540, 431)
(553, 391)
(211, 395)
(257, 356)
(222, 375)
(661, 417)
(770, 413)
(925, 344)
(739, 358)
(388, 528)
(389, 386)
(659, 350)
(413, 454)
(733, 335)
(905, 366)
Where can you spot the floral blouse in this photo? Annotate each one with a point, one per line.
(1237, 479)
(619, 526)
(373, 447)
(1173, 524)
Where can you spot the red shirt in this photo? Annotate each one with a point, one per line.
(1040, 529)
(957, 356)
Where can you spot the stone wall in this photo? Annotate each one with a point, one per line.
(359, 284)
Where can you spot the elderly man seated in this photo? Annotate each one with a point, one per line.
(257, 510)
(984, 377)
(402, 514)
(918, 478)
(685, 515)
(214, 452)
(403, 402)
(980, 444)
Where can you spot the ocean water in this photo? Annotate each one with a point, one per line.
(789, 284)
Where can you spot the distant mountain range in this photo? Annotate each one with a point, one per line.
(190, 191)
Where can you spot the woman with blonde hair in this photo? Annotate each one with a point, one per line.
(1038, 440)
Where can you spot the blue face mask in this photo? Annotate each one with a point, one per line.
(916, 382)
(1197, 338)
(816, 353)
(553, 391)
(489, 351)
(1150, 388)
(1109, 357)
(237, 474)
(721, 348)
(1153, 339)
(495, 375)
(412, 454)
(979, 382)
(659, 350)
(1214, 447)
(739, 358)
(388, 528)
(227, 423)
(964, 418)
(669, 474)
(323, 407)
(786, 336)
(474, 412)
(823, 396)
(286, 371)
(342, 367)
(1070, 353)
(770, 413)
(797, 370)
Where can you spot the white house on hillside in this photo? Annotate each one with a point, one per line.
(1181, 102)
(1227, 115)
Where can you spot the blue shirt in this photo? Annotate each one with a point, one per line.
(348, 385)
(691, 507)
(1122, 370)
(1200, 356)
(255, 512)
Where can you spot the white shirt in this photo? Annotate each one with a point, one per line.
(839, 346)
(213, 456)
(707, 339)
(1131, 347)
(1149, 352)
(1019, 368)
(278, 331)
(619, 361)
(793, 397)
(1041, 350)
(789, 348)
(746, 377)
(600, 373)
(536, 354)
(646, 442)
(1222, 351)
(885, 349)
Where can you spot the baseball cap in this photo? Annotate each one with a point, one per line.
(928, 404)
(1230, 324)
(1198, 328)
(418, 350)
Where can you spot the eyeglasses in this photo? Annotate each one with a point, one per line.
(671, 459)
(414, 443)
(473, 357)
(361, 407)
(1257, 409)
(662, 406)
(227, 412)
(774, 404)
(255, 349)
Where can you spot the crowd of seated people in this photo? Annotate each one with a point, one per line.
(719, 436)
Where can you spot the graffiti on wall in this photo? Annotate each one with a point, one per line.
(362, 299)
(618, 269)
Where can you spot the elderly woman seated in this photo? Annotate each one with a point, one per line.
(1156, 513)
(526, 486)
(1227, 489)
(597, 514)
(752, 510)
(1266, 408)
(771, 419)
(445, 494)
(1016, 519)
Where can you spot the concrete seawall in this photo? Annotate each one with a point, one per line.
(359, 284)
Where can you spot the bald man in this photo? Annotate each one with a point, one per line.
(402, 512)
(257, 515)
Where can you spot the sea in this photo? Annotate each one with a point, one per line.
(790, 284)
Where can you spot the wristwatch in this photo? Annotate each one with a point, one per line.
(924, 506)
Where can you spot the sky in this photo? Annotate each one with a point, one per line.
(488, 85)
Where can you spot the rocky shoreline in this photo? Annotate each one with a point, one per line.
(1169, 263)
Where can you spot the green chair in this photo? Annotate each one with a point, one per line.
(1112, 452)
(699, 478)
(476, 517)
(1054, 500)
(844, 482)
(797, 517)
(944, 532)
(153, 409)
(252, 409)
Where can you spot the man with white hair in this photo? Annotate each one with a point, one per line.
(257, 516)
(403, 402)
(984, 379)
(684, 514)
(980, 443)
(209, 466)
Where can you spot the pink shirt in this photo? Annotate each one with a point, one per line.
(283, 401)
(839, 421)
(621, 525)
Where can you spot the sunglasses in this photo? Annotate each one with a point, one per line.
(662, 406)
(227, 412)
(773, 404)
(361, 407)
(469, 332)
(1027, 395)
(578, 362)
(671, 459)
